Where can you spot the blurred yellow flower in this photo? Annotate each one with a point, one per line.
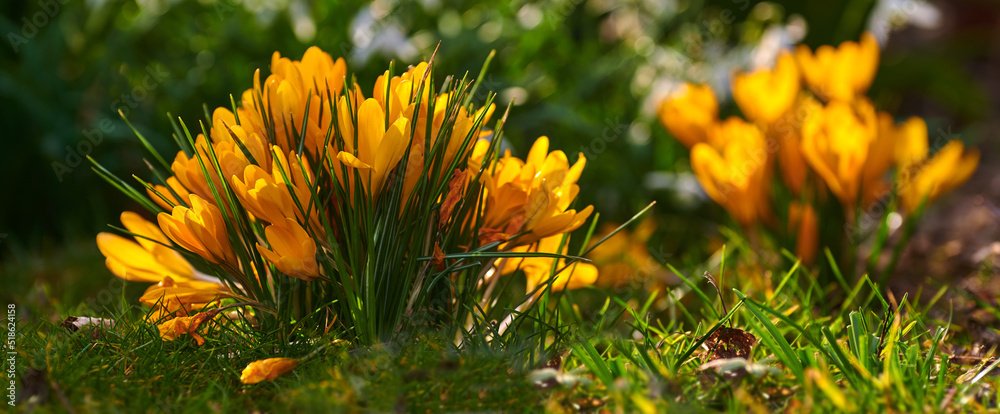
(293, 251)
(625, 256)
(802, 220)
(841, 73)
(736, 178)
(267, 369)
(947, 169)
(689, 112)
(836, 142)
(787, 133)
(767, 94)
(881, 154)
(910, 142)
(533, 196)
(201, 230)
(538, 270)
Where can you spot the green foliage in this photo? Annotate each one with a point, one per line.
(867, 352)
(129, 368)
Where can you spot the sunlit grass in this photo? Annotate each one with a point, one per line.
(818, 348)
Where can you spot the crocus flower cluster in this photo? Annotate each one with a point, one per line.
(807, 117)
(359, 198)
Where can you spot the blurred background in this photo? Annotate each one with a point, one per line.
(586, 73)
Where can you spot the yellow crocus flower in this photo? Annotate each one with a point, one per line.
(401, 91)
(836, 142)
(269, 197)
(143, 260)
(786, 132)
(464, 123)
(736, 177)
(379, 148)
(947, 169)
(292, 251)
(840, 73)
(292, 87)
(179, 288)
(910, 142)
(189, 177)
(231, 158)
(188, 170)
(767, 94)
(225, 133)
(802, 220)
(267, 369)
(295, 172)
(222, 120)
(538, 270)
(477, 156)
(533, 196)
(166, 199)
(625, 256)
(262, 196)
(183, 297)
(689, 112)
(398, 97)
(201, 230)
(881, 154)
(318, 68)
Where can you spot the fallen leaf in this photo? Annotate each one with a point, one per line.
(74, 323)
(730, 343)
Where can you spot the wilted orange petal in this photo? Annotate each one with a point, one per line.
(267, 369)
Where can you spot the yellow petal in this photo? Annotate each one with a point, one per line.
(911, 142)
(579, 275)
(352, 161)
(138, 225)
(688, 112)
(538, 152)
(706, 163)
(371, 128)
(390, 151)
(267, 369)
(765, 95)
(129, 254)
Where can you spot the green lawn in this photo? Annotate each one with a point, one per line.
(815, 347)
